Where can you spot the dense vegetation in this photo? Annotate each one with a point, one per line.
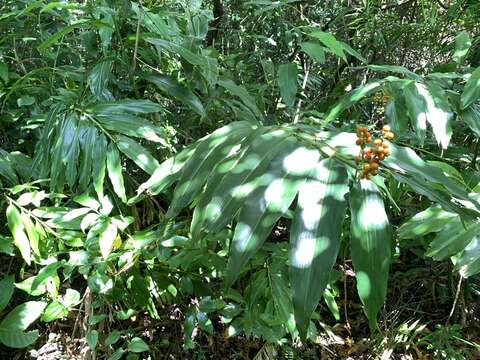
(240, 179)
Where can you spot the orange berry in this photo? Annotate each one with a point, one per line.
(374, 172)
(366, 168)
(389, 135)
(373, 166)
(386, 146)
(381, 157)
(386, 153)
(386, 128)
(378, 142)
(368, 177)
(358, 159)
(358, 142)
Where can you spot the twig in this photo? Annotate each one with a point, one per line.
(137, 37)
(457, 294)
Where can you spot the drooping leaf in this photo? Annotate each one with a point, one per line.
(471, 116)
(288, 82)
(314, 50)
(275, 191)
(371, 247)
(131, 125)
(20, 239)
(7, 285)
(330, 42)
(99, 77)
(99, 164)
(173, 88)
(316, 236)
(215, 178)
(453, 238)
(107, 239)
(209, 152)
(469, 262)
(46, 272)
(430, 220)
(243, 94)
(114, 167)
(138, 154)
(351, 98)
(416, 109)
(462, 45)
(471, 91)
(238, 184)
(127, 105)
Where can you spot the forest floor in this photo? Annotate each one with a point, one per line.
(414, 324)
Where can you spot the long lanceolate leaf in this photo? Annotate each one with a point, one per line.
(315, 237)
(275, 191)
(239, 183)
(208, 153)
(371, 247)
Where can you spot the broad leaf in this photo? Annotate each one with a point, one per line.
(316, 236)
(371, 247)
(275, 191)
(471, 91)
(462, 45)
(17, 229)
(430, 220)
(22, 316)
(138, 154)
(288, 82)
(209, 152)
(114, 167)
(7, 285)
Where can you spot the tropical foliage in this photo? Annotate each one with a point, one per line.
(233, 166)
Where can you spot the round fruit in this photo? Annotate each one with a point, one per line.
(377, 142)
(386, 128)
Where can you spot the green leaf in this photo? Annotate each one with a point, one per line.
(25, 100)
(331, 303)
(215, 178)
(438, 112)
(127, 105)
(114, 167)
(46, 272)
(462, 45)
(4, 72)
(22, 316)
(137, 345)
(395, 112)
(288, 82)
(453, 238)
(186, 54)
(107, 239)
(351, 98)
(433, 219)
(274, 192)
(99, 77)
(314, 50)
(54, 311)
(113, 337)
(138, 154)
(330, 42)
(98, 167)
(471, 91)
(371, 247)
(468, 263)
(18, 339)
(395, 69)
(7, 285)
(166, 174)
(87, 144)
(230, 194)
(60, 34)
(316, 236)
(17, 229)
(471, 116)
(92, 339)
(131, 125)
(209, 152)
(243, 94)
(173, 88)
(416, 109)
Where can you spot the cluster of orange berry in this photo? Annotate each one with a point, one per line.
(369, 157)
